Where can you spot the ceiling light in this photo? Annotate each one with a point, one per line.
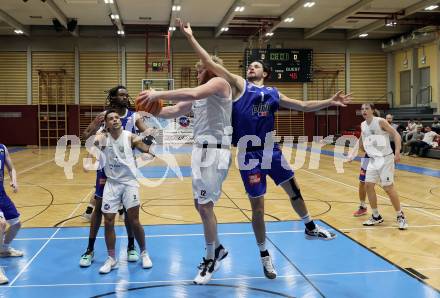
(121, 32)
(309, 4)
(176, 8)
(269, 34)
(431, 7)
(288, 20)
(239, 8)
(224, 29)
(108, 1)
(114, 16)
(171, 28)
(391, 24)
(18, 31)
(363, 35)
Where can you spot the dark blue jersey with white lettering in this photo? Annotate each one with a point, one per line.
(254, 112)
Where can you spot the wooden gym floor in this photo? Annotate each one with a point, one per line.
(47, 198)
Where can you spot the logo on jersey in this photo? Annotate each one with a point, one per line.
(203, 193)
(184, 121)
(2, 151)
(261, 110)
(254, 178)
(106, 206)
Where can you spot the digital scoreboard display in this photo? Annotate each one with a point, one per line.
(287, 65)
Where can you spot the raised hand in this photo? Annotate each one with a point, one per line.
(186, 30)
(340, 99)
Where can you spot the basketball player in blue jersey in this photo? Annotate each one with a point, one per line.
(118, 100)
(8, 212)
(253, 114)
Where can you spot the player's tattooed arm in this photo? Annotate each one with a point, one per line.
(143, 144)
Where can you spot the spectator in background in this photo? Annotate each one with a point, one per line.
(411, 138)
(436, 125)
(421, 147)
(389, 119)
(419, 123)
(411, 125)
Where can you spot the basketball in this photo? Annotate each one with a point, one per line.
(153, 108)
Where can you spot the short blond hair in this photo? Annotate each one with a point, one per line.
(214, 58)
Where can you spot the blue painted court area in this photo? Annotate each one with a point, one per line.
(339, 268)
(16, 149)
(165, 172)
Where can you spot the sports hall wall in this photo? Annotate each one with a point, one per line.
(358, 66)
(414, 59)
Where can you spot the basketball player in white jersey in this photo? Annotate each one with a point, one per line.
(375, 141)
(210, 159)
(117, 146)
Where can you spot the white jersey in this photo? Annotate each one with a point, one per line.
(120, 165)
(376, 141)
(212, 117)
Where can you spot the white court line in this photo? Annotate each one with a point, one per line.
(378, 195)
(223, 234)
(45, 244)
(59, 184)
(36, 166)
(182, 281)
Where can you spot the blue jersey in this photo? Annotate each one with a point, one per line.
(129, 121)
(2, 166)
(254, 112)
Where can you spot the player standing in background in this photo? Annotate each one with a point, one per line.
(375, 141)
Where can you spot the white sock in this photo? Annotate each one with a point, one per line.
(375, 212)
(306, 219)
(262, 246)
(210, 251)
(399, 213)
(363, 204)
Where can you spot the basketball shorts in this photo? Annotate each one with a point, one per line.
(254, 180)
(380, 170)
(209, 168)
(7, 209)
(101, 178)
(115, 193)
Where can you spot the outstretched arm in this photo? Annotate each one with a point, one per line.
(339, 99)
(234, 80)
(11, 170)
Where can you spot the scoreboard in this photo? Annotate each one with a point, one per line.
(286, 65)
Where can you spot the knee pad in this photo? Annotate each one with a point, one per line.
(295, 190)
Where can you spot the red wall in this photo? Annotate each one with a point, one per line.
(19, 131)
(24, 131)
(347, 120)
